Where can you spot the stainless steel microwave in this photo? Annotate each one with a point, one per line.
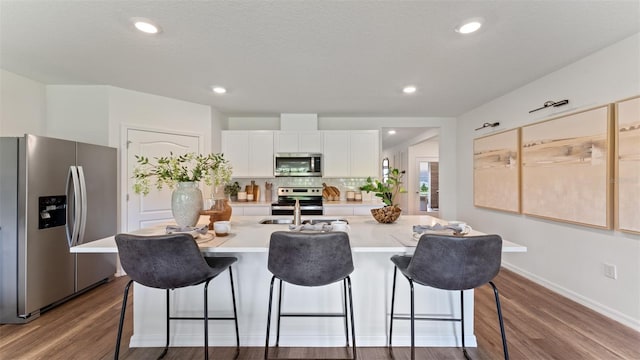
(297, 164)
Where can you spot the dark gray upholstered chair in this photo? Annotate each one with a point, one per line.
(310, 259)
(170, 262)
(450, 263)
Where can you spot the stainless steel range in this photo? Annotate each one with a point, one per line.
(310, 201)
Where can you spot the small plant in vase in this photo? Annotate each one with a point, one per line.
(232, 190)
(388, 192)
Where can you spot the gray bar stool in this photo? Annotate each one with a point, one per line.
(170, 262)
(310, 259)
(450, 263)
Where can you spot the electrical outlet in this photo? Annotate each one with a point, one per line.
(610, 271)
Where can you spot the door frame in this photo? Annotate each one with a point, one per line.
(123, 190)
(412, 184)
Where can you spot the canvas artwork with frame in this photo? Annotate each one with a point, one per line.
(496, 171)
(566, 167)
(627, 171)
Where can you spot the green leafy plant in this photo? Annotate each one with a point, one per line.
(213, 169)
(424, 188)
(387, 191)
(232, 189)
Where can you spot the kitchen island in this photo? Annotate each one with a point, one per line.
(372, 245)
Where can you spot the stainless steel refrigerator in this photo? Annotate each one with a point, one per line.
(53, 194)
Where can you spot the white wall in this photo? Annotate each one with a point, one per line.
(78, 113)
(566, 258)
(22, 105)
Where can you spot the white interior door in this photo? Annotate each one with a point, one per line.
(144, 211)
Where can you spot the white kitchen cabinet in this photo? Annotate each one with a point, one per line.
(335, 155)
(351, 153)
(298, 141)
(250, 152)
(363, 153)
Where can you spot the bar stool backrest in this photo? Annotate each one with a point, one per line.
(310, 259)
(163, 261)
(456, 263)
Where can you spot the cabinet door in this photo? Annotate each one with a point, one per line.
(335, 156)
(260, 154)
(286, 141)
(364, 153)
(235, 146)
(310, 142)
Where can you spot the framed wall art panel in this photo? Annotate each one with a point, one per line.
(496, 171)
(567, 167)
(627, 169)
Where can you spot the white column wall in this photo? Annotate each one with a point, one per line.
(22, 105)
(566, 258)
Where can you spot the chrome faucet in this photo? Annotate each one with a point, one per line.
(297, 213)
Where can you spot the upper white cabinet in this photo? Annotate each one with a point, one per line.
(250, 152)
(298, 141)
(351, 153)
(345, 153)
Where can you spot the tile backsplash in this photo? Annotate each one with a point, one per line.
(343, 184)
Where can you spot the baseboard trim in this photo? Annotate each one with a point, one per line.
(299, 341)
(593, 305)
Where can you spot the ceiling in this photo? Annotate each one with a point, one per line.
(333, 58)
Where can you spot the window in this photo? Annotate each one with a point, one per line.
(385, 169)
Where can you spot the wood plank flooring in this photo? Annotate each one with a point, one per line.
(539, 323)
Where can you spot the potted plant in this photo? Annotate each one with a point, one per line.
(388, 192)
(232, 190)
(424, 189)
(182, 173)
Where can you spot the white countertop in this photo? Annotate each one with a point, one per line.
(247, 235)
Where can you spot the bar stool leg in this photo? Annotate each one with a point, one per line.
(393, 298)
(502, 332)
(235, 312)
(123, 310)
(206, 320)
(344, 310)
(279, 312)
(413, 321)
(166, 346)
(464, 348)
(353, 327)
(266, 346)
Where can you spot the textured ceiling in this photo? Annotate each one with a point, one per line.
(334, 58)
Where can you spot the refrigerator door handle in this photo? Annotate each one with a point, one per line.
(83, 206)
(72, 237)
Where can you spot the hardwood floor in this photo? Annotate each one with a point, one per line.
(539, 323)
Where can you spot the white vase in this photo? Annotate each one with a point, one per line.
(186, 203)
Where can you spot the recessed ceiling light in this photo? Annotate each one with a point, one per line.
(391, 132)
(409, 89)
(145, 25)
(469, 26)
(219, 90)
